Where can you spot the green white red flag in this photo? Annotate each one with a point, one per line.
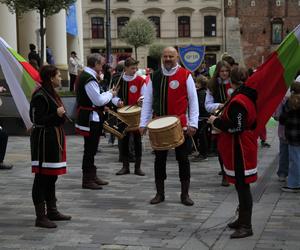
(273, 78)
(21, 79)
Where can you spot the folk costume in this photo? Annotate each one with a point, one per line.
(172, 93)
(131, 89)
(90, 105)
(237, 145)
(48, 155)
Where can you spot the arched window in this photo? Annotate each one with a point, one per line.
(121, 22)
(156, 21)
(277, 31)
(210, 26)
(97, 27)
(184, 26)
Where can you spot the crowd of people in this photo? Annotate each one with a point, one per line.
(217, 113)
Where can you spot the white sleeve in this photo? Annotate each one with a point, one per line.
(146, 113)
(115, 100)
(93, 91)
(193, 103)
(210, 104)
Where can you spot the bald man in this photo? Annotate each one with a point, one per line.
(171, 91)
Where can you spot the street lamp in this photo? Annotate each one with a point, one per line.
(108, 33)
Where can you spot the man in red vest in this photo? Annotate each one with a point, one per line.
(171, 91)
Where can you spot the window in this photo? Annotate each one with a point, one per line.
(277, 32)
(122, 21)
(97, 27)
(156, 21)
(184, 26)
(210, 26)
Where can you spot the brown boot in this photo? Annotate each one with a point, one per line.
(124, 169)
(137, 167)
(98, 180)
(242, 232)
(160, 192)
(53, 214)
(185, 198)
(88, 181)
(41, 218)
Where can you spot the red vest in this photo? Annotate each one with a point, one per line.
(247, 141)
(134, 89)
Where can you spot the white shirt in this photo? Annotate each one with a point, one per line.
(74, 64)
(210, 104)
(93, 91)
(193, 109)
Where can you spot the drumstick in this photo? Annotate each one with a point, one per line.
(194, 144)
(118, 82)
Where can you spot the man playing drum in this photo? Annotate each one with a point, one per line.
(91, 100)
(131, 87)
(171, 91)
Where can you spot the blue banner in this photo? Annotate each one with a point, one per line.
(71, 21)
(191, 56)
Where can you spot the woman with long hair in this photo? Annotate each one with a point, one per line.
(48, 146)
(218, 93)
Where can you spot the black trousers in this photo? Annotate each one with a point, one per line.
(181, 157)
(90, 147)
(201, 138)
(3, 143)
(243, 189)
(43, 188)
(124, 143)
(72, 81)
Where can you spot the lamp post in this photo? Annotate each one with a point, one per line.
(108, 34)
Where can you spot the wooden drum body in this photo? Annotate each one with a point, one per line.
(165, 133)
(131, 115)
(115, 125)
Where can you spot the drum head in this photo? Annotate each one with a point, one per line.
(129, 109)
(162, 122)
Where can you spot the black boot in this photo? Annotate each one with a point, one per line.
(137, 167)
(185, 199)
(88, 181)
(124, 169)
(53, 214)
(98, 180)
(245, 227)
(235, 224)
(41, 218)
(160, 192)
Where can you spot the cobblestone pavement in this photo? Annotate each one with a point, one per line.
(120, 216)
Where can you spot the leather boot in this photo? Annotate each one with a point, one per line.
(41, 218)
(160, 192)
(53, 214)
(124, 169)
(88, 181)
(185, 198)
(137, 167)
(235, 224)
(98, 180)
(245, 227)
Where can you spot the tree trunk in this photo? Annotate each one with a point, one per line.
(42, 35)
(135, 50)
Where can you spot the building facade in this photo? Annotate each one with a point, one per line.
(254, 28)
(178, 23)
(20, 32)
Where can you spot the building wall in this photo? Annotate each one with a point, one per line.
(255, 23)
(168, 10)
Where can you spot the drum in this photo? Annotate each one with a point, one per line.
(165, 133)
(131, 115)
(115, 125)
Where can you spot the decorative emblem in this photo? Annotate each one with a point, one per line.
(230, 91)
(191, 56)
(133, 89)
(174, 84)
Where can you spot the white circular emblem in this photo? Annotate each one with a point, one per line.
(230, 91)
(133, 89)
(174, 84)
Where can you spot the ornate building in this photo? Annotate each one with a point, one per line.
(254, 28)
(178, 23)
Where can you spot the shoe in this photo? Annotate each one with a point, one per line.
(53, 214)
(100, 182)
(290, 190)
(160, 194)
(242, 232)
(41, 218)
(224, 183)
(184, 197)
(5, 166)
(264, 144)
(199, 158)
(234, 225)
(281, 178)
(220, 173)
